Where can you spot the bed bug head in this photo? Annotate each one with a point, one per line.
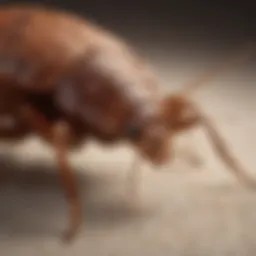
(179, 113)
(153, 136)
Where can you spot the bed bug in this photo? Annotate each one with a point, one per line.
(67, 79)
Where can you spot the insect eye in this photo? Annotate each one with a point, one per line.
(133, 131)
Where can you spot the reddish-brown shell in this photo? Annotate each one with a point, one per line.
(89, 73)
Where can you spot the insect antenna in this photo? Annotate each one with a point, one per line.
(223, 152)
(236, 59)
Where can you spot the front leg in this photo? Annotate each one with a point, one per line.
(60, 141)
(188, 120)
(59, 135)
(134, 177)
(187, 150)
(135, 172)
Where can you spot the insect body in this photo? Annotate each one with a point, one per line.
(66, 79)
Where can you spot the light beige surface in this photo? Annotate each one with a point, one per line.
(184, 210)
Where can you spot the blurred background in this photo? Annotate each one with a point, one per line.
(170, 24)
(185, 210)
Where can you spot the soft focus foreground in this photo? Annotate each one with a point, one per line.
(183, 210)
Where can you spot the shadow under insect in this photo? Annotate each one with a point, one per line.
(32, 202)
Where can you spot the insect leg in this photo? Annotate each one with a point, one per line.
(188, 151)
(58, 135)
(134, 179)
